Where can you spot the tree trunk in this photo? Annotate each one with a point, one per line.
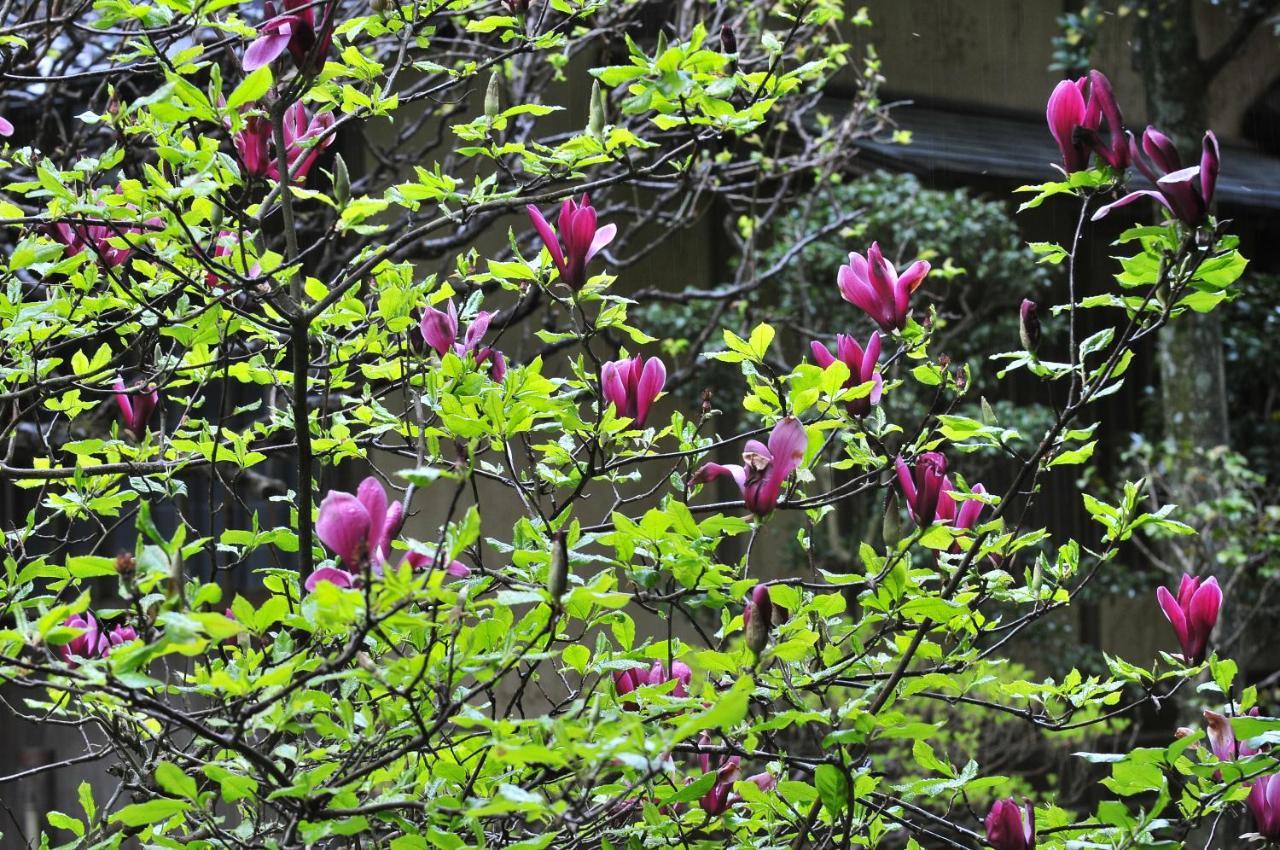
(1193, 386)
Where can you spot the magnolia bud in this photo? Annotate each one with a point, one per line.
(126, 564)
(728, 40)
(341, 181)
(1037, 577)
(595, 120)
(1029, 325)
(758, 616)
(558, 573)
(366, 663)
(988, 415)
(215, 217)
(492, 96)
(891, 527)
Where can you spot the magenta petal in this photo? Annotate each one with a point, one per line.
(1129, 199)
(711, 471)
(1173, 613)
(333, 575)
(1206, 601)
(549, 238)
(602, 238)
(6, 129)
(787, 445)
(343, 526)
(1210, 160)
(652, 379)
(374, 498)
(267, 47)
(907, 482)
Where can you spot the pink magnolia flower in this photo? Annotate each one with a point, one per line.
(1193, 614)
(1010, 827)
(632, 384)
(305, 137)
(423, 561)
(922, 485)
(1075, 113)
(119, 635)
(91, 643)
(1264, 804)
(224, 246)
(717, 800)
(862, 364)
(440, 331)
(959, 515)
(136, 407)
(626, 681)
(872, 284)
(295, 31)
(1222, 738)
(764, 468)
(576, 229)
(6, 129)
(1186, 193)
(253, 146)
(358, 528)
(332, 575)
(97, 238)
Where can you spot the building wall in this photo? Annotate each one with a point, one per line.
(997, 53)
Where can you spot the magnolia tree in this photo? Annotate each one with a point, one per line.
(565, 651)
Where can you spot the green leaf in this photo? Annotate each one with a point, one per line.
(251, 88)
(832, 787)
(152, 811)
(171, 778)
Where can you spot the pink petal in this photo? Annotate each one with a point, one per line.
(711, 471)
(787, 445)
(1173, 613)
(343, 526)
(652, 379)
(549, 238)
(374, 498)
(602, 238)
(333, 575)
(1205, 602)
(6, 129)
(1103, 212)
(267, 47)
(821, 355)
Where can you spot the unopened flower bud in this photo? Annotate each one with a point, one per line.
(728, 40)
(126, 564)
(558, 574)
(1029, 325)
(366, 663)
(1037, 577)
(758, 617)
(595, 120)
(891, 526)
(492, 96)
(341, 181)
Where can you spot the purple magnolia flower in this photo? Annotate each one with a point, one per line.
(872, 284)
(576, 229)
(332, 575)
(304, 139)
(1186, 193)
(440, 331)
(136, 407)
(296, 31)
(1010, 827)
(626, 681)
(764, 468)
(1264, 804)
(862, 364)
(6, 129)
(1193, 614)
(922, 485)
(1075, 113)
(632, 384)
(359, 528)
